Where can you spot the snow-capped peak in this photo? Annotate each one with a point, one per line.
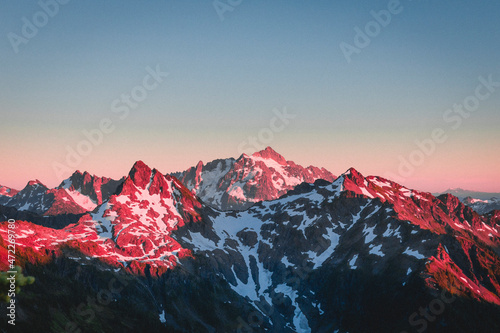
(353, 174)
(269, 154)
(237, 184)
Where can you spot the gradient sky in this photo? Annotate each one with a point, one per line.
(227, 76)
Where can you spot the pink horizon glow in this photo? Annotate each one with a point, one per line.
(434, 176)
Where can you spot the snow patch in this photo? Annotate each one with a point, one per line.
(414, 253)
(299, 320)
(352, 262)
(377, 250)
(318, 260)
(369, 234)
(162, 317)
(82, 200)
(365, 192)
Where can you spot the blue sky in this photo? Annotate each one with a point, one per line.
(226, 77)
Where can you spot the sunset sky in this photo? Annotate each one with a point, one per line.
(228, 71)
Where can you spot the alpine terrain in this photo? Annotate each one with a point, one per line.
(237, 184)
(254, 244)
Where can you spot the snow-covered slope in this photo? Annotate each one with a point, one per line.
(354, 223)
(132, 229)
(237, 184)
(37, 198)
(482, 206)
(78, 194)
(89, 190)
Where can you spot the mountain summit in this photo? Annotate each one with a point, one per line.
(270, 154)
(88, 190)
(238, 184)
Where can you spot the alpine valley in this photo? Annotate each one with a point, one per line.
(253, 244)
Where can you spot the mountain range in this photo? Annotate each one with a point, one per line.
(254, 244)
(79, 193)
(462, 194)
(481, 202)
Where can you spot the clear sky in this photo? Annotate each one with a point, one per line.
(228, 71)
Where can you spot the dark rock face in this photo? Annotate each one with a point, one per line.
(55, 222)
